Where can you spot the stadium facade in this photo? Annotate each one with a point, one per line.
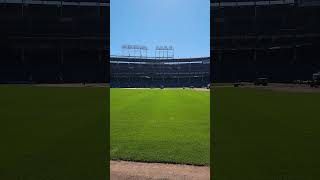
(54, 41)
(277, 39)
(152, 72)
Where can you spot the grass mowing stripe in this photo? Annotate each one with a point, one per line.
(155, 125)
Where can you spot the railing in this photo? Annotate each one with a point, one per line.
(132, 58)
(252, 3)
(58, 3)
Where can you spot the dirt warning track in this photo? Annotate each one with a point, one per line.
(287, 88)
(124, 170)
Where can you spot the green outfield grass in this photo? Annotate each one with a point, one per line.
(154, 125)
(265, 135)
(53, 133)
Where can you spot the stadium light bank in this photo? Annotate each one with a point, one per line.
(141, 51)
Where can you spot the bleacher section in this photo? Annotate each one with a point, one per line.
(129, 72)
(276, 39)
(53, 41)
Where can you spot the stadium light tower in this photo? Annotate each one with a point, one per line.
(134, 51)
(164, 52)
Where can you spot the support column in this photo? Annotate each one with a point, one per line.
(100, 60)
(61, 55)
(22, 55)
(23, 63)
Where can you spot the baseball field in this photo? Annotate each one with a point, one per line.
(59, 132)
(265, 134)
(160, 125)
(55, 133)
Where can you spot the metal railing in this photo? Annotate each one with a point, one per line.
(252, 3)
(57, 3)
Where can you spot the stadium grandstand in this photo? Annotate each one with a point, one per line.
(277, 39)
(163, 72)
(54, 41)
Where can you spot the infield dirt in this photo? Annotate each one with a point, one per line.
(124, 170)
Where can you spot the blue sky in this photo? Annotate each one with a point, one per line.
(184, 24)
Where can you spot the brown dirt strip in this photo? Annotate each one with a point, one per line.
(125, 170)
(105, 85)
(287, 88)
(195, 89)
(282, 87)
(200, 89)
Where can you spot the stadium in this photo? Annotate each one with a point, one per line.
(54, 41)
(154, 72)
(278, 39)
(51, 126)
(155, 92)
(159, 90)
(265, 132)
